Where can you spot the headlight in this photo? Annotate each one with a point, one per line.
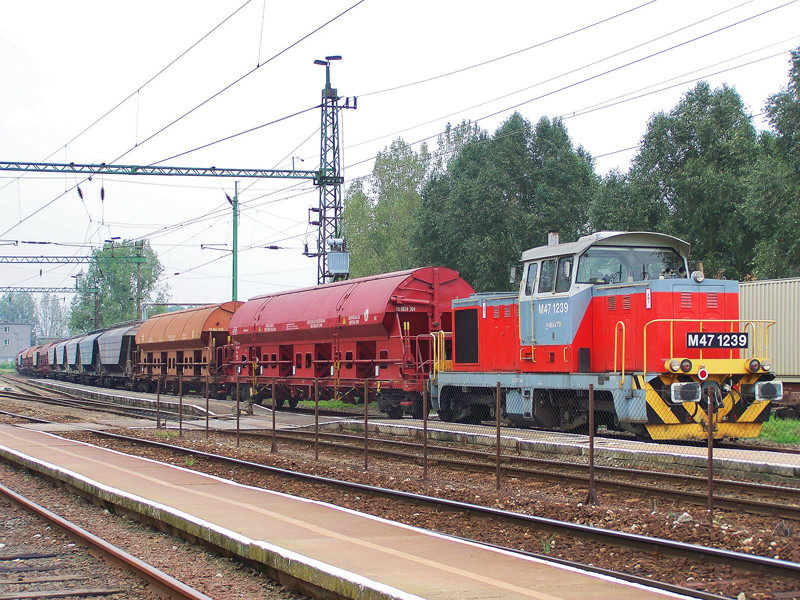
(689, 391)
(674, 365)
(686, 365)
(698, 276)
(766, 365)
(769, 390)
(754, 366)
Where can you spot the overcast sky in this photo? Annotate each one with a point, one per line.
(415, 66)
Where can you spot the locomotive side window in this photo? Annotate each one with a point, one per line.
(530, 279)
(548, 276)
(564, 275)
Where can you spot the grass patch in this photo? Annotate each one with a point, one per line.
(333, 405)
(781, 431)
(7, 367)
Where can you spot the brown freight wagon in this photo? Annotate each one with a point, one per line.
(180, 348)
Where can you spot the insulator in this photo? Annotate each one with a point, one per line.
(80, 193)
(102, 194)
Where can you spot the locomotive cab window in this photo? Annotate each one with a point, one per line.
(547, 277)
(530, 278)
(616, 264)
(556, 275)
(564, 274)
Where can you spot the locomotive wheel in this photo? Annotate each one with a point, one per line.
(279, 402)
(293, 402)
(445, 410)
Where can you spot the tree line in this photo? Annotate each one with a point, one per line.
(106, 294)
(702, 173)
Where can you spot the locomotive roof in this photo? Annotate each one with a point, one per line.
(609, 238)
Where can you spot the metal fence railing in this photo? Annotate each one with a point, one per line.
(607, 436)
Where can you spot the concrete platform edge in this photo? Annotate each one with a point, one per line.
(332, 579)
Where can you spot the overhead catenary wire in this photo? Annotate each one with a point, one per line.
(592, 77)
(200, 105)
(141, 86)
(558, 76)
(349, 147)
(510, 54)
(711, 74)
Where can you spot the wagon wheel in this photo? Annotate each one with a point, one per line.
(394, 412)
(416, 407)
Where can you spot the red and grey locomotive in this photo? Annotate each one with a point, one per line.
(619, 311)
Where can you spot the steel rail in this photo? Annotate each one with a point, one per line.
(676, 589)
(168, 585)
(85, 404)
(755, 506)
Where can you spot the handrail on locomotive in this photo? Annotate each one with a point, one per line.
(759, 347)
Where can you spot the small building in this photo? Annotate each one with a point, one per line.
(13, 338)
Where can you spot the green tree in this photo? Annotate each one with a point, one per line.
(694, 162)
(620, 206)
(500, 195)
(380, 208)
(116, 278)
(52, 317)
(450, 142)
(774, 187)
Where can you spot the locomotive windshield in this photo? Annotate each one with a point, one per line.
(614, 264)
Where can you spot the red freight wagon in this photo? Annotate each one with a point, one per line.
(342, 334)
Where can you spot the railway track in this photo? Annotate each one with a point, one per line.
(357, 414)
(42, 574)
(45, 395)
(755, 498)
(616, 478)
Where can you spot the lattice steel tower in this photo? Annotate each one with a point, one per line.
(331, 252)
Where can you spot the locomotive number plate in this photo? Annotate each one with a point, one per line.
(707, 339)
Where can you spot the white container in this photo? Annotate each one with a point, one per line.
(777, 300)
